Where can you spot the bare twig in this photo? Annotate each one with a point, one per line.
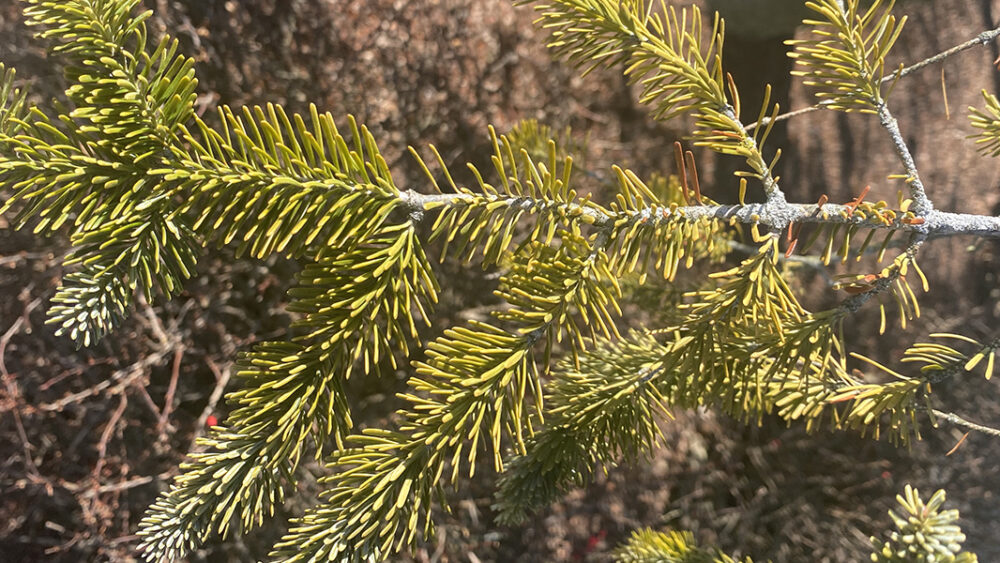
(73, 372)
(168, 399)
(154, 322)
(24, 256)
(121, 485)
(102, 445)
(921, 203)
(148, 400)
(981, 39)
(119, 379)
(12, 389)
(959, 421)
(221, 380)
(87, 491)
(788, 115)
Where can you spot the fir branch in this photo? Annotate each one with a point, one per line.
(844, 401)
(89, 304)
(608, 405)
(93, 162)
(143, 188)
(144, 96)
(891, 279)
(386, 480)
(648, 546)
(638, 242)
(942, 362)
(776, 216)
(471, 389)
(275, 184)
(293, 391)
(846, 60)
(923, 532)
(984, 38)
(380, 287)
(663, 51)
(604, 406)
(717, 340)
(846, 64)
(812, 344)
(248, 487)
(488, 219)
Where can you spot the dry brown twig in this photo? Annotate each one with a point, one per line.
(11, 385)
(222, 375)
(168, 399)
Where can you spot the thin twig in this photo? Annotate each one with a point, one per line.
(102, 445)
(921, 203)
(22, 256)
(154, 322)
(981, 39)
(788, 115)
(12, 389)
(72, 372)
(221, 380)
(168, 399)
(122, 485)
(959, 421)
(122, 377)
(148, 400)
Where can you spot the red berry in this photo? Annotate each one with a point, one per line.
(211, 421)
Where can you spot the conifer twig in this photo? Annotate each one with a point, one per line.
(814, 263)
(776, 215)
(921, 203)
(883, 284)
(959, 421)
(981, 39)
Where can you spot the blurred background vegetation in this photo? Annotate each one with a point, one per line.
(86, 440)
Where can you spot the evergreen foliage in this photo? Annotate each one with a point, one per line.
(923, 532)
(647, 546)
(847, 64)
(548, 389)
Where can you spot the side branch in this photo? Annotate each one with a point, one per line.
(981, 39)
(959, 421)
(771, 188)
(921, 203)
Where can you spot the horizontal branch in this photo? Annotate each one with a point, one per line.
(776, 216)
